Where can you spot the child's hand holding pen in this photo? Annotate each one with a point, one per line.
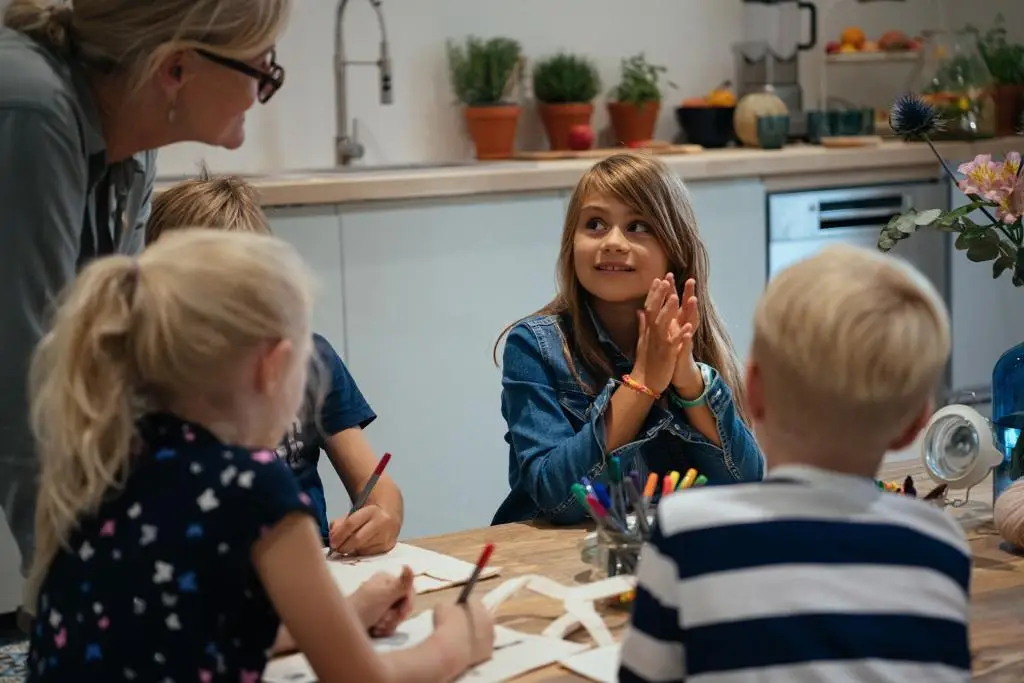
(384, 602)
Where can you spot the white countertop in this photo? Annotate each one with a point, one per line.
(789, 168)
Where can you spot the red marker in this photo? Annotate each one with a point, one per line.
(360, 500)
(485, 556)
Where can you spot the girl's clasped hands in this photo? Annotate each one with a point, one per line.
(664, 351)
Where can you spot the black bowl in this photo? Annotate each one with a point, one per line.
(707, 126)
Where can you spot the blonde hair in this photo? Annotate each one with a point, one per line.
(227, 202)
(131, 38)
(132, 336)
(648, 187)
(851, 346)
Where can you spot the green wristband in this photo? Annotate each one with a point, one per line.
(680, 402)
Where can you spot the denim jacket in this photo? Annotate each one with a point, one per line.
(556, 430)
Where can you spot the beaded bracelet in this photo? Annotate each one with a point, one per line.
(640, 388)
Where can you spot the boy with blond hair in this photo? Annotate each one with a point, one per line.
(816, 575)
(230, 203)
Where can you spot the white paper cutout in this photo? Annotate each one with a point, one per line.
(578, 602)
(600, 665)
(515, 653)
(431, 571)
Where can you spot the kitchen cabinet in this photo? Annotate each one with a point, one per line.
(427, 288)
(733, 227)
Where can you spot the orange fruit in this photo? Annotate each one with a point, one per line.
(853, 36)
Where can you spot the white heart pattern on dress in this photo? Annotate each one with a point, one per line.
(164, 572)
(208, 501)
(148, 534)
(86, 551)
(245, 479)
(228, 474)
(173, 623)
(134, 511)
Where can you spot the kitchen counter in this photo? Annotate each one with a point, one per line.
(795, 167)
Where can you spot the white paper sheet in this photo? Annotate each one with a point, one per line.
(432, 571)
(600, 665)
(515, 654)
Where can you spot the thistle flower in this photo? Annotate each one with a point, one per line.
(912, 117)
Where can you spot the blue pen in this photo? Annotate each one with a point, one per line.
(601, 493)
(587, 486)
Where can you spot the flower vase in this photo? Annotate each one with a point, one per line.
(1008, 418)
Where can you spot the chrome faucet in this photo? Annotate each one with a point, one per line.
(346, 146)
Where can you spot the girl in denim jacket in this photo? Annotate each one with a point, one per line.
(629, 359)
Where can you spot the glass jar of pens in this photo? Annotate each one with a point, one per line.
(624, 514)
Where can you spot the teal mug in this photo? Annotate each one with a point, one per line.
(772, 131)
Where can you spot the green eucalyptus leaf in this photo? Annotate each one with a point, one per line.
(1001, 265)
(927, 217)
(907, 223)
(982, 250)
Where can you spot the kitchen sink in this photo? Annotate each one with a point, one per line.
(349, 170)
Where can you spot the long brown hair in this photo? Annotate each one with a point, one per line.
(644, 184)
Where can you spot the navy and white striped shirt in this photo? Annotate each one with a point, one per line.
(807, 577)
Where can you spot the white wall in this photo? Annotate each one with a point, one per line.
(691, 37)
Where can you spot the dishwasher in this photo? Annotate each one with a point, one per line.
(803, 222)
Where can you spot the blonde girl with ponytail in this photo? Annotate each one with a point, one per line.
(172, 543)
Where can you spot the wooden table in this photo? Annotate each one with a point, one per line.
(997, 618)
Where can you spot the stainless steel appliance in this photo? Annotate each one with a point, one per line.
(801, 223)
(770, 52)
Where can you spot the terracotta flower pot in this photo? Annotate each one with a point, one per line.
(632, 123)
(1009, 109)
(493, 130)
(560, 118)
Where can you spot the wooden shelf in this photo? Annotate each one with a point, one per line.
(872, 57)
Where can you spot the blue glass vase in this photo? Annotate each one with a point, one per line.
(1008, 417)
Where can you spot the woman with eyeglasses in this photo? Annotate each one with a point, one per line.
(89, 90)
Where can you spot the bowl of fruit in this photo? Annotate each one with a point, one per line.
(707, 120)
(853, 41)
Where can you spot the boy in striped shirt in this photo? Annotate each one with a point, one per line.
(815, 575)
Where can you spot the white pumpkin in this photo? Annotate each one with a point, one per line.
(751, 106)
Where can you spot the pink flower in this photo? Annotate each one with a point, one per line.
(996, 182)
(1014, 210)
(980, 176)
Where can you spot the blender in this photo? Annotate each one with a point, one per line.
(769, 56)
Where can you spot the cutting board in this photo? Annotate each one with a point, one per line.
(845, 141)
(603, 152)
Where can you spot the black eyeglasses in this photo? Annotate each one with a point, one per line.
(269, 81)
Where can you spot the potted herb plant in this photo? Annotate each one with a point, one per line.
(1005, 61)
(485, 75)
(636, 100)
(565, 86)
